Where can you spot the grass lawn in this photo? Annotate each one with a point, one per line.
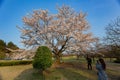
(71, 69)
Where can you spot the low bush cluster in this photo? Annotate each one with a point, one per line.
(15, 62)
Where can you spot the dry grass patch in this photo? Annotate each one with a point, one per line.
(10, 72)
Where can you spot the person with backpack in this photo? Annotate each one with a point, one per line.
(101, 67)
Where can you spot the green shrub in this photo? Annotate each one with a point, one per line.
(15, 62)
(43, 58)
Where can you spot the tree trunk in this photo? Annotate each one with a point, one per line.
(110, 59)
(42, 75)
(57, 59)
(78, 57)
(93, 59)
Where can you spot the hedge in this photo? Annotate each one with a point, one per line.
(15, 62)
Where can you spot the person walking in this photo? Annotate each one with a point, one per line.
(101, 67)
(89, 63)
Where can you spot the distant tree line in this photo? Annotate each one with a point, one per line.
(110, 45)
(113, 38)
(4, 46)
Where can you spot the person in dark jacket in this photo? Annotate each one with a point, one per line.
(89, 63)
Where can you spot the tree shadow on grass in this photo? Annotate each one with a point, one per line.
(71, 75)
(30, 74)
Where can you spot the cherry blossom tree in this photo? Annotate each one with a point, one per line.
(66, 31)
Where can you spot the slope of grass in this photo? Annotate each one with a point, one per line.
(26, 72)
(71, 69)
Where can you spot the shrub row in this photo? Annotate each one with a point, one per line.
(15, 62)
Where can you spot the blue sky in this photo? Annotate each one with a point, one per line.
(99, 14)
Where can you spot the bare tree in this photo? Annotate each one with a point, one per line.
(113, 36)
(65, 31)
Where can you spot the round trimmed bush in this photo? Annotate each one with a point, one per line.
(43, 58)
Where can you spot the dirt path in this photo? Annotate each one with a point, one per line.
(113, 71)
(113, 66)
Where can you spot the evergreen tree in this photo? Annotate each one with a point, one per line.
(11, 45)
(2, 49)
(43, 58)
